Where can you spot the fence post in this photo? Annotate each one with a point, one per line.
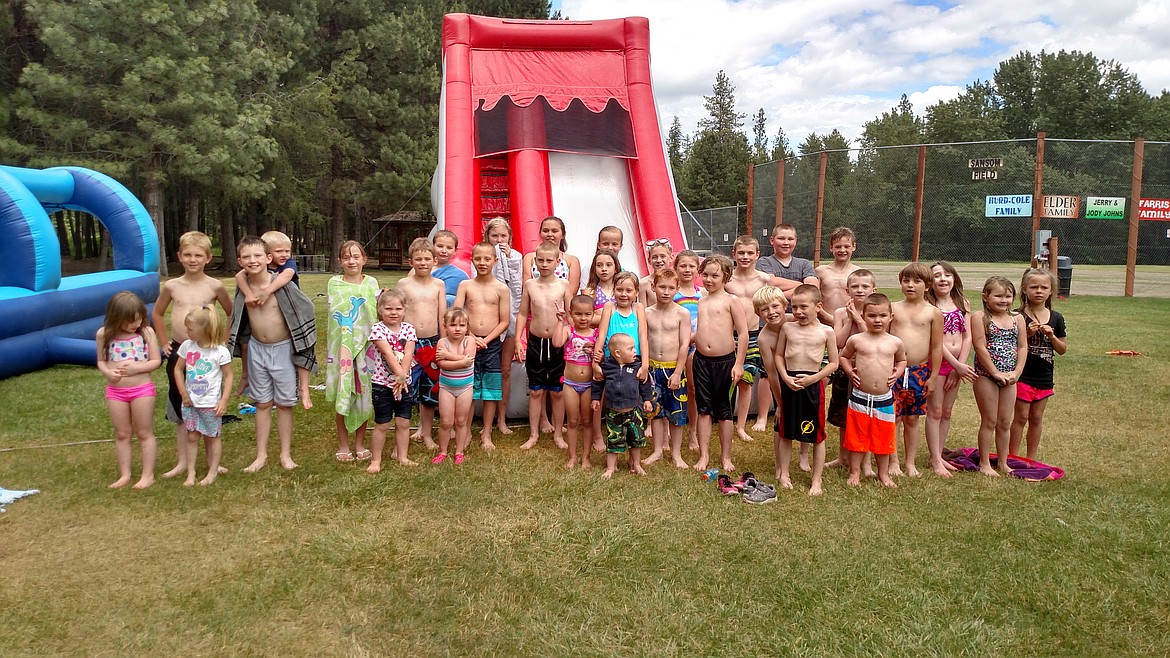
(820, 208)
(779, 193)
(1135, 193)
(751, 195)
(1037, 192)
(918, 204)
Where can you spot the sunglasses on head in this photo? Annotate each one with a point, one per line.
(650, 244)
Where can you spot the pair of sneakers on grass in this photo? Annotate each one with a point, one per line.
(753, 491)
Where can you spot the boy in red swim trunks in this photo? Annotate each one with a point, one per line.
(874, 360)
(920, 326)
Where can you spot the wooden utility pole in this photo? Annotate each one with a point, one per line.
(1135, 194)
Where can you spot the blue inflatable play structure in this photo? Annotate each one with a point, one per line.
(47, 319)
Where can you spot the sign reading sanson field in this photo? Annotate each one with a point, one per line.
(1105, 207)
(1012, 205)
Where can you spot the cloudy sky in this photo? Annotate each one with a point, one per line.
(816, 65)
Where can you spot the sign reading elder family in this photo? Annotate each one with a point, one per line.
(1061, 207)
(1008, 205)
(1105, 207)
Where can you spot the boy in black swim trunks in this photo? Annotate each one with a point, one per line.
(800, 351)
(718, 360)
(541, 300)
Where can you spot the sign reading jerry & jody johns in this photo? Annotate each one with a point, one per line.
(1104, 207)
(1156, 210)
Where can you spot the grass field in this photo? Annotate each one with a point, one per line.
(511, 555)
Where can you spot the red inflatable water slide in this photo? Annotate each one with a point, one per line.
(542, 118)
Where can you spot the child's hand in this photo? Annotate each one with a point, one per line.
(165, 348)
(521, 351)
(1047, 330)
(221, 408)
(597, 374)
(480, 343)
(855, 379)
(928, 387)
(252, 300)
(675, 381)
(114, 376)
(789, 382)
(187, 400)
(442, 354)
(597, 354)
(643, 372)
(648, 407)
(891, 380)
(595, 405)
(398, 387)
(261, 296)
(952, 381)
(736, 373)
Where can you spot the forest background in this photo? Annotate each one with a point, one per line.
(317, 117)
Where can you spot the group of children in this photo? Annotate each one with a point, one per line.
(605, 361)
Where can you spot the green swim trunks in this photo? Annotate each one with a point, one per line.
(623, 430)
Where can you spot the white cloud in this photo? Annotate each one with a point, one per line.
(816, 66)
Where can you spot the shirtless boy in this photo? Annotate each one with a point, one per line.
(834, 276)
(426, 302)
(846, 322)
(190, 291)
(800, 351)
(770, 304)
(487, 304)
(721, 344)
(744, 283)
(280, 261)
(281, 335)
(542, 299)
(669, 339)
(920, 326)
(874, 360)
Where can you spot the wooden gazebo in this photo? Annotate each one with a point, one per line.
(396, 232)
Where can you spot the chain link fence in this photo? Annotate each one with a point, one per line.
(874, 192)
(713, 230)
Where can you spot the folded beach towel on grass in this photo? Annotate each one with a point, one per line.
(8, 495)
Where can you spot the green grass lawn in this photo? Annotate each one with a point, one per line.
(509, 554)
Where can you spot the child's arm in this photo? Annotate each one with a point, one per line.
(598, 388)
(684, 344)
(441, 300)
(224, 299)
(842, 324)
(225, 388)
(646, 390)
(503, 312)
(936, 348)
(899, 364)
(1021, 350)
(602, 332)
(561, 333)
(846, 362)
(526, 269)
(979, 341)
(834, 359)
(111, 373)
(574, 276)
(181, 381)
(242, 284)
(281, 279)
(522, 322)
(643, 342)
(768, 356)
(1059, 343)
(739, 321)
(158, 319)
(154, 357)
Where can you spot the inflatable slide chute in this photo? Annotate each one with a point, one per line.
(46, 319)
(543, 118)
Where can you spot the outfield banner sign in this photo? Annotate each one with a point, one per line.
(1105, 207)
(1013, 205)
(1061, 207)
(1154, 210)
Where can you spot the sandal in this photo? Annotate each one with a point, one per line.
(344, 456)
(725, 486)
(439, 458)
(458, 459)
(363, 455)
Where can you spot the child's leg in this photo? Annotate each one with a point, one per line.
(586, 423)
(343, 451)
(987, 399)
(598, 431)
(934, 414)
(704, 433)
(676, 439)
(855, 459)
(573, 415)
(818, 451)
(1019, 422)
(489, 423)
(558, 418)
(378, 443)
(426, 425)
(743, 402)
(462, 422)
(120, 418)
(263, 429)
(192, 456)
(535, 410)
(910, 436)
(659, 436)
(142, 417)
(692, 405)
(804, 457)
(636, 461)
(783, 458)
(402, 441)
(446, 420)
(180, 450)
(1035, 427)
(506, 355)
(763, 406)
(726, 432)
(284, 428)
(610, 464)
(1003, 426)
(303, 388)
(883, 464)
(214, 453)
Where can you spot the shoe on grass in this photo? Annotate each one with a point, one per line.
(725, 486)
(760, 496)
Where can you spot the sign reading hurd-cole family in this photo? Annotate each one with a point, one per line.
(1104, 207)
(1014, 205)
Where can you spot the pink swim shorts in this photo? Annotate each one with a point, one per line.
(1025, 393)
(129, 393)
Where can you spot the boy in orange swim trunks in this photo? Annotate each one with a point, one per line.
(874, 360)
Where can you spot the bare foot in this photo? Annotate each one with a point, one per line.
(288, 463)
(504, 429)
(637, 469)
(608, 473)
(306, 401)
(429, 443)
(896, 471)
(744, 436)
(585, 465)
(679, 463)
(912, 471)
(599, 446)
(837, 462)
(488, 445)
(804, 464)
(869, 473)
(407, 462)
(559, 442)
(210, 479)
(529, 444)
(761, 425)
(941, 471)
(120, 482)
(949, 466)
(694, 446)
(654, 456)
(416, 436)
(179, 468)
(854, 480)
(987, 470)
(785, 483)
(815, 489)
(545, 427)
(189, 482)
(374, 467)
(143, 483)
(700, 465)
(222, 470)
(727, 466)
(887, 482)
(260, 463)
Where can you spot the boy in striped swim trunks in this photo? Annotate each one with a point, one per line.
(874, 360)
(669, 339)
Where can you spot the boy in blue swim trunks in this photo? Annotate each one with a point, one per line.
(487, 303)
(920, 326)
(669, 339)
